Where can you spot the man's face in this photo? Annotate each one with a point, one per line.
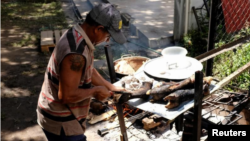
(101, 35)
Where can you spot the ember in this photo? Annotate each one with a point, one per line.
(128, 110)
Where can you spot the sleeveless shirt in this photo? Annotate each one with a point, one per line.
(52, 115)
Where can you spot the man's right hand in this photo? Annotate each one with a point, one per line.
(101, 93)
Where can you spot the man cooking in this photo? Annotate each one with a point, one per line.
(64, 99)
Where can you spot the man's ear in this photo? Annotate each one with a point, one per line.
(99, 28)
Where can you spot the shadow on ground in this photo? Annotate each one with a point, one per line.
(23, 65)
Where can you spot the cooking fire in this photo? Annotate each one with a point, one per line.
(223, 108)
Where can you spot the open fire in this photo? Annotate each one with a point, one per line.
(221, 108)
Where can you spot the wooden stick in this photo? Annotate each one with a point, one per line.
(226, 80)
(212, 53)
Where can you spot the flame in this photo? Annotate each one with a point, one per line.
(127, 110)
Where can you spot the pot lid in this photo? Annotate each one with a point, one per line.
(182, 69)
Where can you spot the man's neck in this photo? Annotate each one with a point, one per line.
(87, 29)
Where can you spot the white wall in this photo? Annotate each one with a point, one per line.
(184, 19)
(191, 23)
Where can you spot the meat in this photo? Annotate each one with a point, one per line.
(168, 88)
(179, 96)
(173, 92)
(124, 67)
(139, 93)
(159, 93)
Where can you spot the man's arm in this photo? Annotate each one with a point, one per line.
(70, 77)
(98, 80)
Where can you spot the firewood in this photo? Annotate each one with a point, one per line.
(149, 123)
(97, 118)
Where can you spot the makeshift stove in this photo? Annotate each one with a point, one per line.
(152, 126)
(136, 122)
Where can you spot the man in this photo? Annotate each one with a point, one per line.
(64, 100)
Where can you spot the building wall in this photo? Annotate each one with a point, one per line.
(191, 20)
(184, 18)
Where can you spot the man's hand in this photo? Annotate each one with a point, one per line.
(117, 88)
(101, 93)
(98, 80)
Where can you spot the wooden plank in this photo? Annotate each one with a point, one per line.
(57, 36)
(47, 41)
(45, 48)
(47, 38)
(212, 53)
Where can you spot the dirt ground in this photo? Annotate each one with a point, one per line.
(22, 70)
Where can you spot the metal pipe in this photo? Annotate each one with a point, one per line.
(211, 35)
(197, 105)
(110, 63)
(121, 122)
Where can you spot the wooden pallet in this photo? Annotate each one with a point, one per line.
(49, 39)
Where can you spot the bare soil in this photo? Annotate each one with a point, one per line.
(23, 66)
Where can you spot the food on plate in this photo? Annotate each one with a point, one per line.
(124, 67)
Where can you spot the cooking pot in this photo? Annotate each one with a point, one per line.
(134, 61)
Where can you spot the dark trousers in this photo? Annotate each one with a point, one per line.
(63, 137)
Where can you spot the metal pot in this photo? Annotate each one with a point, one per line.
(134, 61)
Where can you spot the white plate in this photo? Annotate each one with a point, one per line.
(183, 69)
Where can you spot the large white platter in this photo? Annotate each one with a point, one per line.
(160, 69)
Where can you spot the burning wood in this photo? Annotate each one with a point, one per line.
(97, 118)
(152, 122)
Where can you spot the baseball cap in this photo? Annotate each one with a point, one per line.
(108, 16)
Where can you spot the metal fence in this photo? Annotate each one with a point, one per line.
(229, 23)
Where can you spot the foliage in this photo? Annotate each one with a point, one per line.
(195, 42)
(222, 38)
(228, 62)
(30, 17)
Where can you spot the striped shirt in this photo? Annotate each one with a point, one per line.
(52, 114)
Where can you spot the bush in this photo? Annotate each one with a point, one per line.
(195, 42)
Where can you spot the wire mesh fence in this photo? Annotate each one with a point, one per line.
(232, 21)
(230, 28)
